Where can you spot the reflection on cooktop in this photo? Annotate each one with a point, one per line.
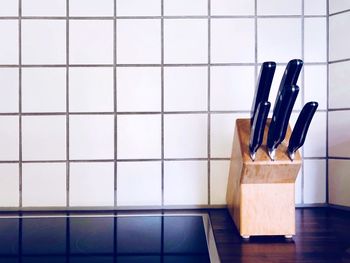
(107, 239)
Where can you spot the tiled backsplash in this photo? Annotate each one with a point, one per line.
(339, 106)
(115, 103)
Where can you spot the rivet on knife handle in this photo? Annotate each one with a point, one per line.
(263, 87)
(280, 118)
(301, 127)
(258, 127)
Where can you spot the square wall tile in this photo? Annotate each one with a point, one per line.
(91, 89)
(229, 7)
(138, 7)
(44, 42)
(91, 137)
(222, 128)
(91, 8)
(91, 42)
(91, 184)
(232, 40)
(314, 181)
(315, 7)
(338, 6)
(316, 85)
(138, 41)
(338, 133)
(185, 136)
(232, 87)
(8, 8)
(43, 89)
(298, 187)
(44, 8)
(185, 183)
(279, 7)
(283, 48)
(44, 137)
(185, 7)
(138, 89)
(315, 40)
(9, 42)
(315, 142)
(186, 40)
(339, 181)
(139, 136)
(44, 184)
(9, 90)
(185, 88)
(9, 138)
(219, 171)
(339, 79)
(339, 42)
(139, 183)
(9, 185)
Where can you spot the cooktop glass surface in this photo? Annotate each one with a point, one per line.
(107, 238)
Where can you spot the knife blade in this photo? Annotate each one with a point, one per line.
(301, 127)
(258, 127)
(290, 77)
(262, 90)
(280, 118)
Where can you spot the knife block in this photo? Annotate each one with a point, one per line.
(260, 194)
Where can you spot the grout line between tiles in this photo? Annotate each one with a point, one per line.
(20, 167)
(208, 106)
(67, 108)
(115, 106)
(303, 89)
(162, 100)
(327, 114)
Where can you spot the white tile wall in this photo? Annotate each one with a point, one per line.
(279, 7)
(139, 183)
(185, 89)
(338, 6)
(219, 171)
(9, 42)
(9, 138)
(43, 42)
(338, 41)
(91, 184)
(339, 77)
(185, 136)
(43, 7)
(339, 181)
(91, 90)
(91, 137)
(229, 7)
(314, 181)
(9, 90)
(126, 85)
(44, 90)
(91, 42)
(338, 133)
(139, 89)
(185, 41)
(9, 185)
(232, 40)
(272, 48)
(185, 183)
(44, 184)
(139, 136)
(44, 137)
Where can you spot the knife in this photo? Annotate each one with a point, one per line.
(262, 90)
(301, 127)
(280, 118)
(290, 77)
(258, 127)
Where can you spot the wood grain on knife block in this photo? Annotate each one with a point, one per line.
(260, 193)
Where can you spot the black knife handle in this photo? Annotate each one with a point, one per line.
(301, 127)
(258, 127)
(290, 77)
(262, 90)
(279, 123)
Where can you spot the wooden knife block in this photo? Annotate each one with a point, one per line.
(260, 194)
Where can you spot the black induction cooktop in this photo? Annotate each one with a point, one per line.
(107, 239)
